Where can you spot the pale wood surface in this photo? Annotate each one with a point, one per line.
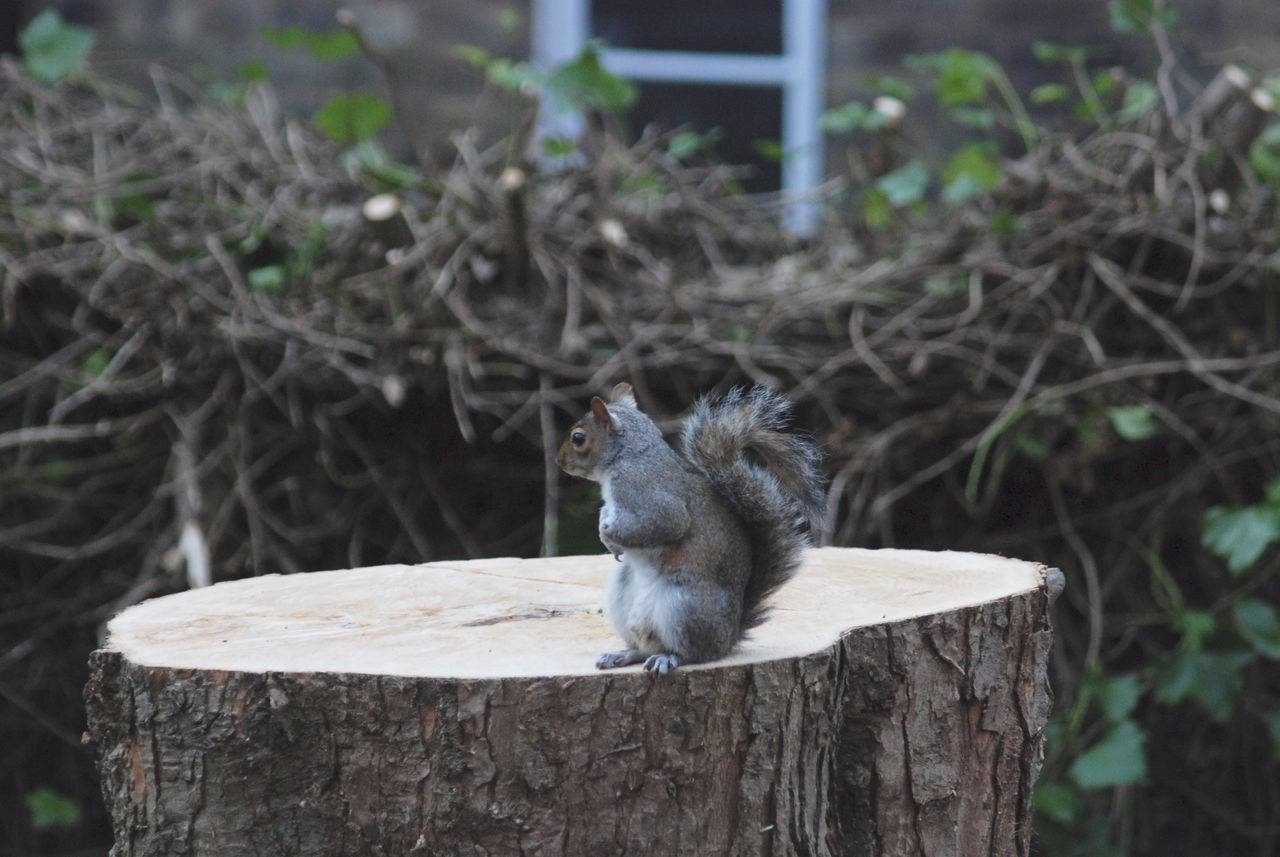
(520, 618)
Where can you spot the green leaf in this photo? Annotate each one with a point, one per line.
(1214, 680)
(1050, 52)
(1259, 624)
(1133, 422)
(253, 70)
(559, 147)
(52, 48)
(1058, 801)
(894, 87)
(269, 278)
(962, 75)
(1116, 760)
(905, 185)
(323, 44)
(876, 209)
(1273, 729)
(1273, 491)
(1139, 98)
(96, 363)
(974, 117)
(1240, 535)
(1138, 16)
(970, 171)
(770, 150)
(1004, 223)
(852, 116)
(473, 54)
(585, 82)
(944, 283)
(353, 117)
(1264, 155)
(686, 144)
(1105, 81)
(1033, 447)
(1196, 626)
(1049, 93)
(513, 76)
(371, 159)
(51, 809)
(509, 20)
(1118, 696)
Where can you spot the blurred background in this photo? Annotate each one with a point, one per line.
(295, 286)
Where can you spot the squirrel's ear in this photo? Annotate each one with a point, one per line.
(601, 411)
(621, 391)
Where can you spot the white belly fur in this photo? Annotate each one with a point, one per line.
(643, 610)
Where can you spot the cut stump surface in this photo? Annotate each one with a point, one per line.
(893, 703)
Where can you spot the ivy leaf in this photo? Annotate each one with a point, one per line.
(974, 117)
(1264, 155)
(1118, 696)
(1259, 624)
(686, 144)
(962, 75)
(1273, 727)
(852, 116)
(1139, 98)
(1138, 16)
(51, 809)
(52, 48)
(905, 185)
(770, 150)
(1050, 52)
(269, 278)
(1117, 760)
(1195, 625)
(876, 210)
(585, 82)
(970, 171)
(894, 87)
(559, 147)
(254, 70)
(371, 159)
(322, 44)
(1133, 422)
(1240, 535)
(1273, 491)
(96, 363)
(353, 117)
(1058, 801)
(1214, 680)
(1049, 93)
(1033, 447)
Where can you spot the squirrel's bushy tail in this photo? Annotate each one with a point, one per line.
(768, 475)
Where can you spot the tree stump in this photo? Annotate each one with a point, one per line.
(892, 705)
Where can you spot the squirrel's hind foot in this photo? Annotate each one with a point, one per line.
(613, 660)
(661, 664)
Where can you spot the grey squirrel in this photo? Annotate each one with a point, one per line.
(702, 536)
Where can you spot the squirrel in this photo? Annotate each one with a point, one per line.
(702, 536)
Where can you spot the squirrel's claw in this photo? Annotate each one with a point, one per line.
(661, 664)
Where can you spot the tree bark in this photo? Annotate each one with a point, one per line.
(893, 705)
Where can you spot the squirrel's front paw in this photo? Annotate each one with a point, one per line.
(611, 546)
(661, 664)
(613, 660)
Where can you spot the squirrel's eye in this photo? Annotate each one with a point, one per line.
(578, 439)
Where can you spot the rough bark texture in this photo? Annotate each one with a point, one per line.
(918, 737)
